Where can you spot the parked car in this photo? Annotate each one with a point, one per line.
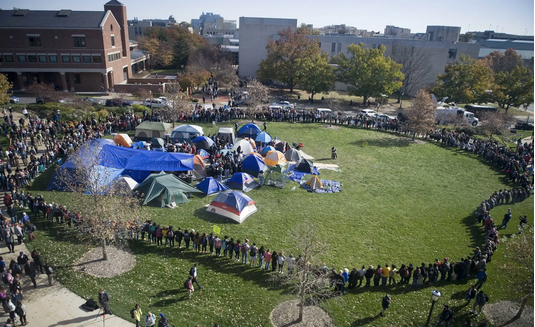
(155, 103)
(93, 101)
(118, 103)
(524, 126)
(43, 100)
(285, 104)
(384, 117)
(368, 112)
(13, 99)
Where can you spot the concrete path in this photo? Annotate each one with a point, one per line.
(54, 305)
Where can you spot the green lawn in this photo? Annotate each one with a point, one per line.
(401, 202)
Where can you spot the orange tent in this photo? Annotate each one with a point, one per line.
(122, 140)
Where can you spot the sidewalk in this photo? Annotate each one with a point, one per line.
(53, 305)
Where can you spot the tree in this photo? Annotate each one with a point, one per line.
(467, 37)
(421, 115)
(181, 52)
(415, 63)
(5, 85)
(286, 58)
(503, 62)
(178, 102)
(465, 81)
(105, 209)
(303, 29)
(513, 88)
(367, 72)
(258, 93)
(159, 54)
(519, 249)
(46, 91)
(496, 123)
(225, 74)
(318, 76)
(307, 282)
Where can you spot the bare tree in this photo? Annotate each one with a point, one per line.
(46, 92)
(415, 63)
(421, 115)
(106, 206)
(258, 93)
(307, 281)
(495, 123)
(519, 249)
(177, 102)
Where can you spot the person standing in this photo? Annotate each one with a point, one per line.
(267, 259)
(481, 300)
(386, 303)
(481, 278)
(261, 178)
(245, 251)
(10, 241)
(445, 316)
(506, 218)
(137, 314)
(470, 294)
(104, 300)
(193, 273)
(49, 272)
(20, 310)
(334, 155)
(281, 258)
(189, 286)
(265, 126)
(164, 322)
(150, 319)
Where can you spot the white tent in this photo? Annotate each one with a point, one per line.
(226, 133)
(246, 147)
(126, 182)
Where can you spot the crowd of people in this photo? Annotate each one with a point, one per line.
(61, 139)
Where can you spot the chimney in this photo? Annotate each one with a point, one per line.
(119, 12)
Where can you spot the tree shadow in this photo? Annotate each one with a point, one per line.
(364, 321)
(399, 141)
(76, 321)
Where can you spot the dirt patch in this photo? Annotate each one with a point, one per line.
(287, 312)
(500, 312)
(119, 261)
(331, 127)
(416, 141)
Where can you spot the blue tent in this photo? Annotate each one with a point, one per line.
(134, 159)
(253, 164)
(267, 149)
(203, 142)
(211, 186)
(263, 137)
(203, 153)
(242, 181)
(249, 130)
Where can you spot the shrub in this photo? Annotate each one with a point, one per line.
(194, 100)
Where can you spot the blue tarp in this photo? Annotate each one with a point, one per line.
(298, 175)
(328, 186)
(211, 186)
(133, 159)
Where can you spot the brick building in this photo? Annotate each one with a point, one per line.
(77, 51)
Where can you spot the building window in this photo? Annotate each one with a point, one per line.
(21, 58)
(97, 59)
(339, 47)
(8, 58)
(52, 58)
(32, 58)
(34, 41)
(86, 59)
(76, 59)
(79, 41)
(452, 53)
(111, 27)
(1, 58)
(76, 78)
(333, 47)
(66, 58)
(42, 58)
(112, 40)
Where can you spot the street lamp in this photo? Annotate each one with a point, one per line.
(435, 296)
(401, 100)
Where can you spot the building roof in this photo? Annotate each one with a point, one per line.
(113, 3)
(506, 44)
(49, 18)
(136, 54)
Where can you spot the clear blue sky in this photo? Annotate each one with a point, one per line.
(512, 16)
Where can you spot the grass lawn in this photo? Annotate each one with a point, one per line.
(401, 202)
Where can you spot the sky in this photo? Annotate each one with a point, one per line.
(514, 17)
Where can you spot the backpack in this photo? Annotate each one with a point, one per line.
(170, 234)
(4, 279)
(218, 244)
(19, 311)
(253, 252)
(186, 284)
(132, 313)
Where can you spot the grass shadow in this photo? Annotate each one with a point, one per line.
(399, 141)
(364, 321)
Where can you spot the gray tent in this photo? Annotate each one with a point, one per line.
(293, 155)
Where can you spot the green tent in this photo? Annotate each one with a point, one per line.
(277, 176)
(151, 129)
(165, 188)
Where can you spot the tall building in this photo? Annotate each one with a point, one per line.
(443, 33)
(137, 27)
(396, 31)
(210, 24)
(74, 50)
(254, 35)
